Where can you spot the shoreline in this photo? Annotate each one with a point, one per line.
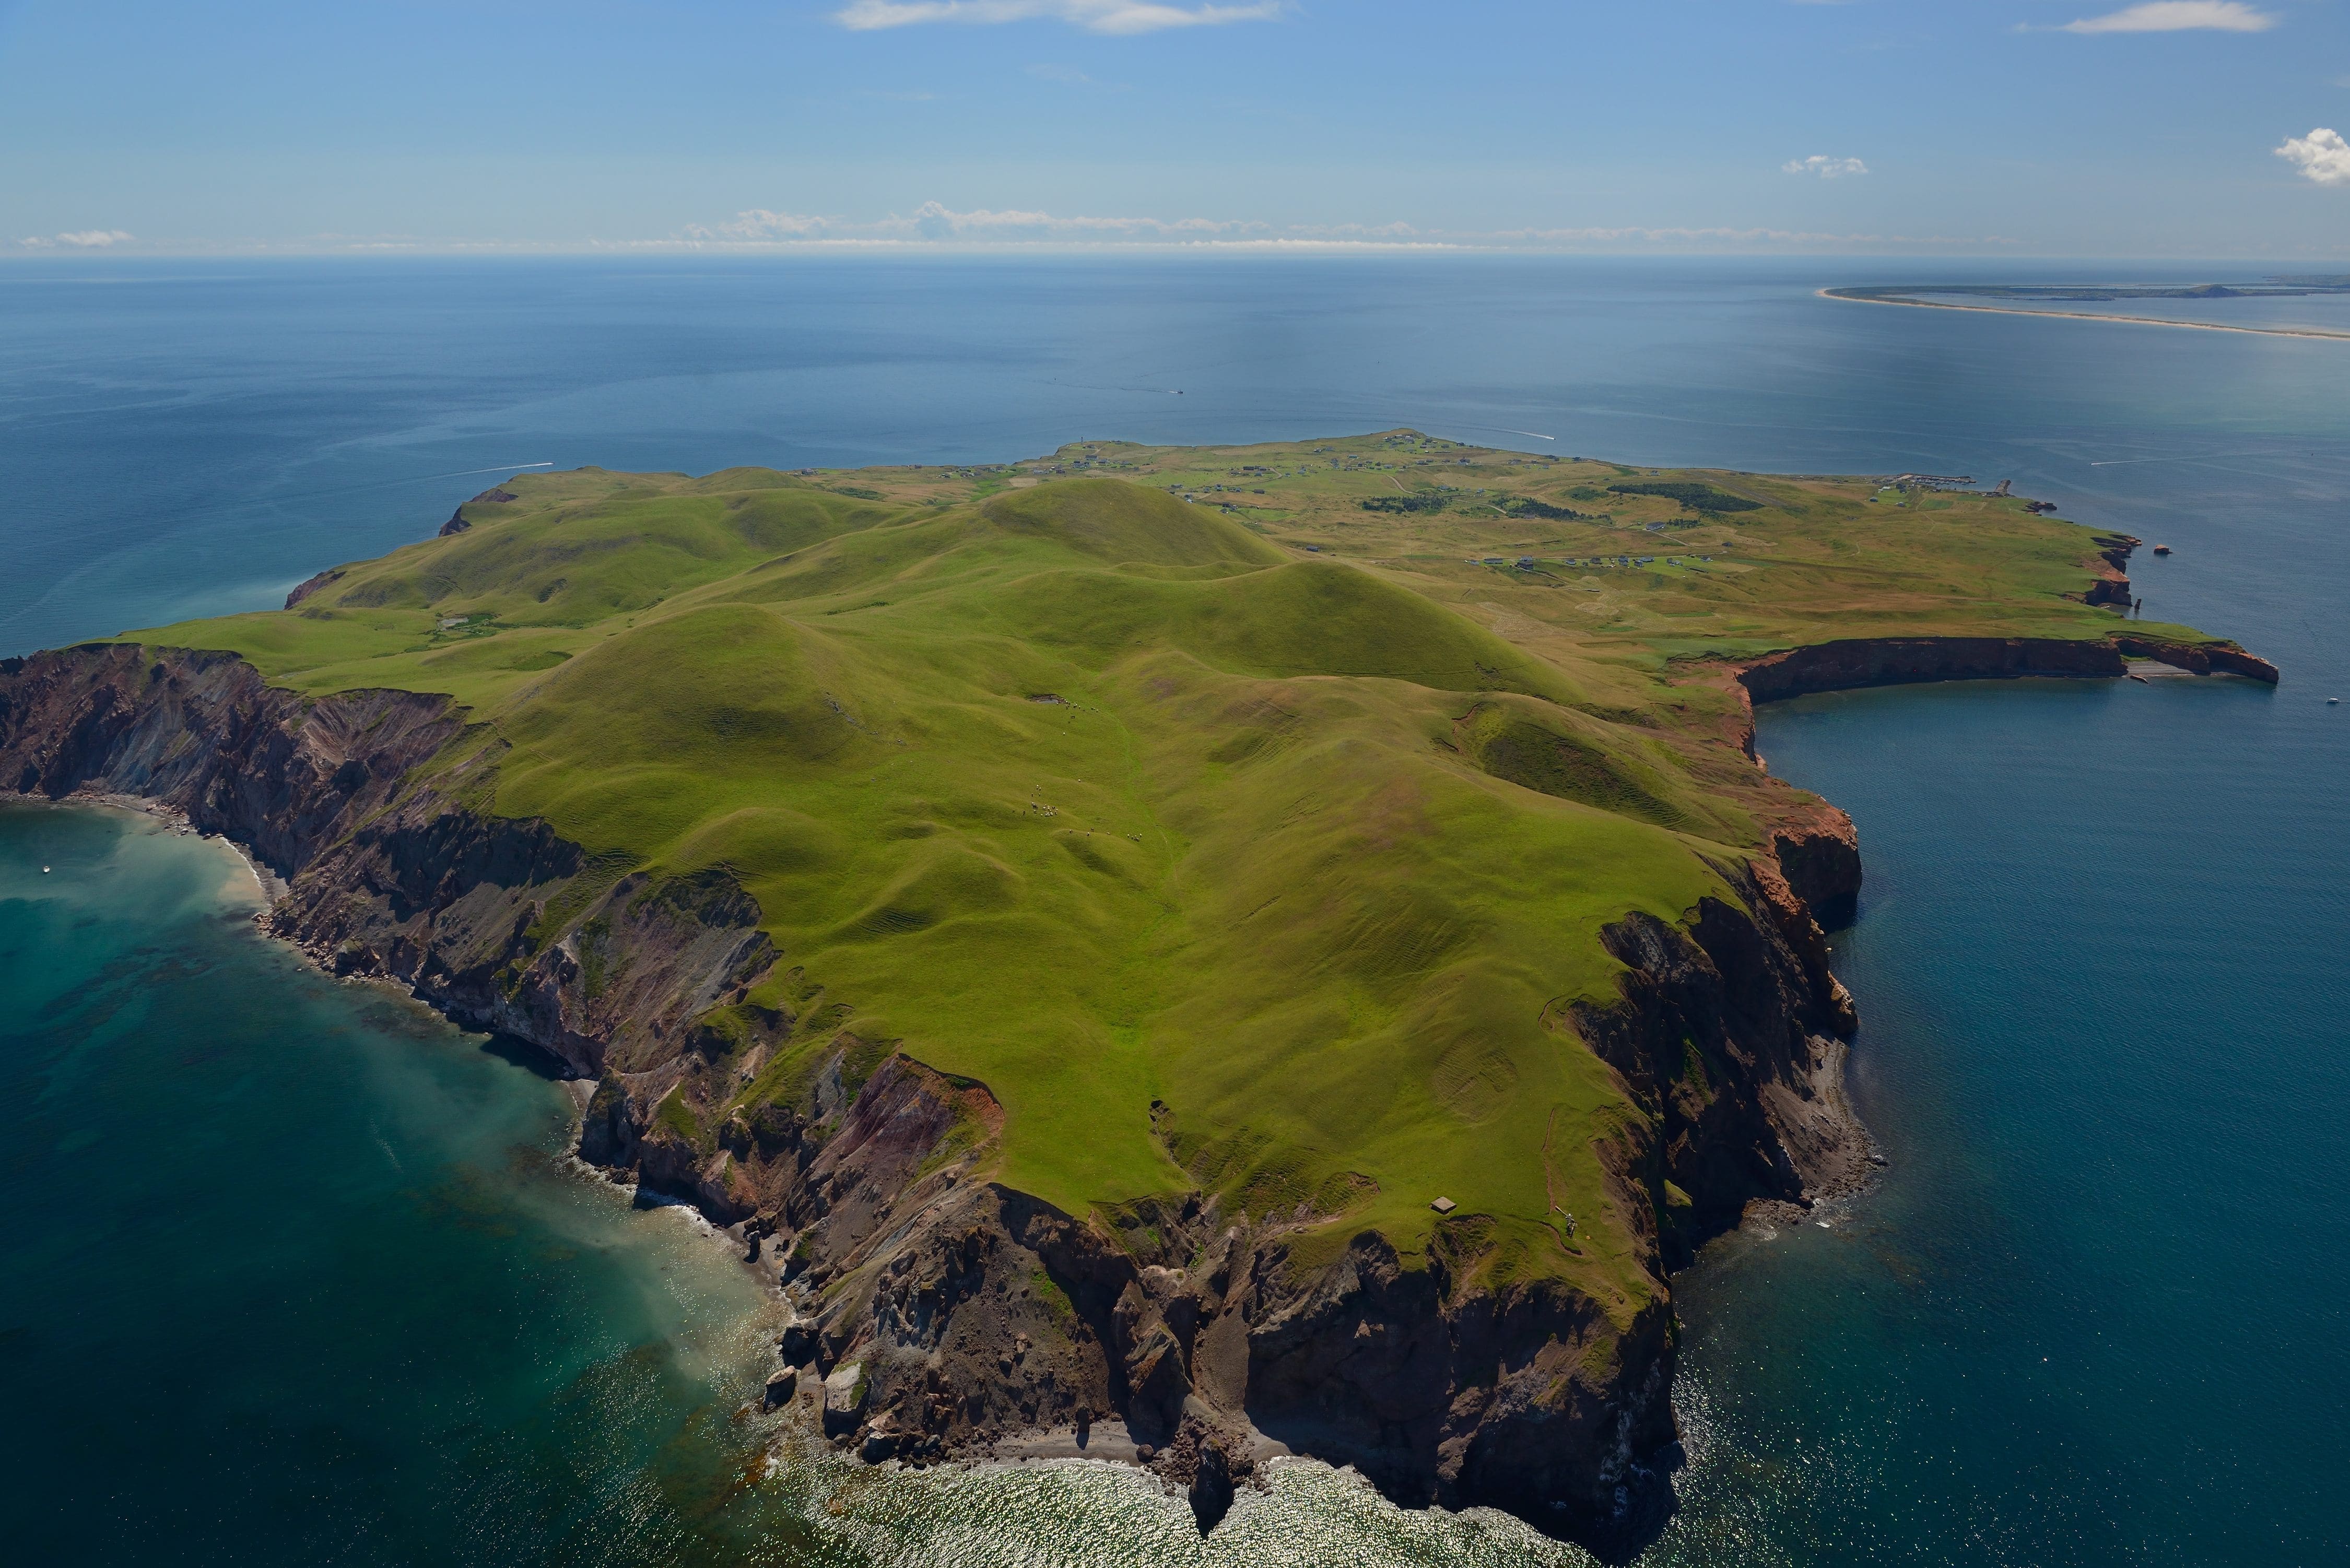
(267, 884)
(1108, 1443)
(2088, 316)
(868, 1195)
(1206, 1455)
(577, 1092)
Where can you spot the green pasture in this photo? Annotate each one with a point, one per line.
(1221, 860)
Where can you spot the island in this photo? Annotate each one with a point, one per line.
(1176, 954)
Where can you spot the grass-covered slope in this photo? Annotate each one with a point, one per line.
(1232, 831)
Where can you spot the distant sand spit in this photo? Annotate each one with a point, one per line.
(2086, 316)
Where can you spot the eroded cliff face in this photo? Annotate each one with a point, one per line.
(1893, 662)
(970, 1312)
(1730, 1035)
(1818, 851)
(964, 1314)
(203, 734)
(391, 870)
(945, 1312)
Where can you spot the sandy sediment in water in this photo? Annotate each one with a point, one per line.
(266, 884)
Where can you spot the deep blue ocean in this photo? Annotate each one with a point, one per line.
(293, 1273)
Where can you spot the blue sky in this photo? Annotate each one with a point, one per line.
(1984, 127)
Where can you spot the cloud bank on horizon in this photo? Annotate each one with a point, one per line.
(78, 239)
(1826, 168)
(2177, 16)
(935, 223)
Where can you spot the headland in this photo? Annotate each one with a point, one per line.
(1270, 947)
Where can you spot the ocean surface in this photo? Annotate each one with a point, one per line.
(294, 1273)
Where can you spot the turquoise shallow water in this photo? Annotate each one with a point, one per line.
(293, 1273)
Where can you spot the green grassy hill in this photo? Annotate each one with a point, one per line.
(1254, 840)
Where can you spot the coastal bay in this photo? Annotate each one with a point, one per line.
(2083, 1048)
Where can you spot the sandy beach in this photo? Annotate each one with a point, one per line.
(267, 885)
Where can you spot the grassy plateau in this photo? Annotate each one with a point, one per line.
(1284, 788)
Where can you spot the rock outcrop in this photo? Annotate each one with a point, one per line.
(204, 733)
(458, 523)
(2112, 585)
(942, 1311)
(2110, 589)
(1818, 852)
(2200, 659)
(311, 585)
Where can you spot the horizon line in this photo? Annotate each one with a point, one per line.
(1920, 250)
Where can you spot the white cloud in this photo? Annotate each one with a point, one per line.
(935, 222)
(1117, 16)
(78, 239)
(2323, 156)
(1741, 239)
(1398, 232)
(758, 224)
(2177, 16)
(1826, 168)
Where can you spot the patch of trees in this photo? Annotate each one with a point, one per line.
(1526, 507)
(1696, 497)
(1423, 501)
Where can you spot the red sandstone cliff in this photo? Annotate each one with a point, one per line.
(1892, 661)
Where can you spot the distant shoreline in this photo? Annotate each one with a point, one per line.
(2085, 315)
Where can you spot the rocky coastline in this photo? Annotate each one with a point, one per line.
(1853, 663)
(942, 1314)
